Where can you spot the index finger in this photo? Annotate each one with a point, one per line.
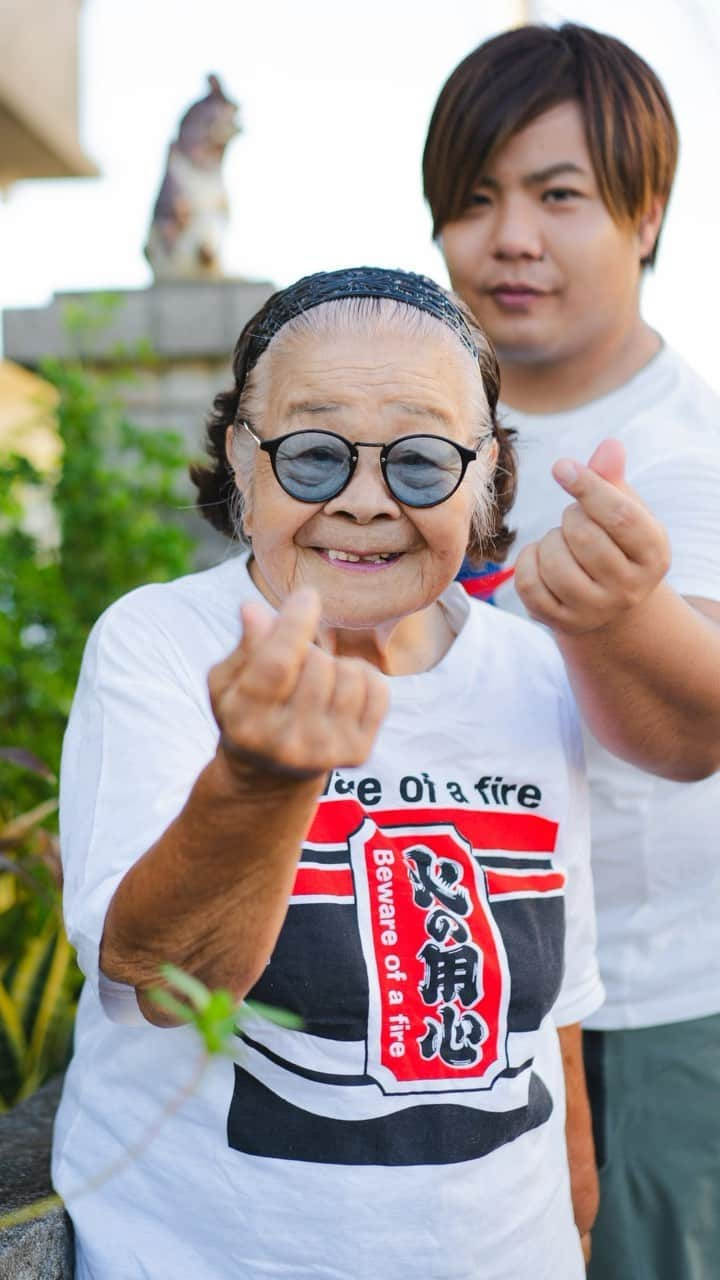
(274, 658)
(619, 512)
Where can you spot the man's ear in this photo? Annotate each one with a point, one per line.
(649, 228)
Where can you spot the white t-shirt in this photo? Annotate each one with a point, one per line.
(415, 1125)
(656, 860)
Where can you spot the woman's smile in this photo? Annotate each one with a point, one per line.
(355, 561)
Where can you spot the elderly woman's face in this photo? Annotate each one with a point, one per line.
(366, 388)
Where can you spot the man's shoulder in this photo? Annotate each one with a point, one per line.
(676, 417)
(520, 647)
(673, 384)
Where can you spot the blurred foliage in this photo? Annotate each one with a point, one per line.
(39, 979)
(69, 545)
(105, 524)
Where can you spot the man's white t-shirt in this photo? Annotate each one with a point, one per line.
(415, 1124)
(656, 858)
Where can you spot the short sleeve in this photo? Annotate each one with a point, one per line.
(140, 732)
(683, 491)
(582, 990)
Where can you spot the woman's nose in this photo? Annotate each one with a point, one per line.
(366, 497)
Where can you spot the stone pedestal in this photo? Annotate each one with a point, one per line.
(191, 329)
(41, 1249)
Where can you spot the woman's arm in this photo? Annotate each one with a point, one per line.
(211, 894)
(642, 660)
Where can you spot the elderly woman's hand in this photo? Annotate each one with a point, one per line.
(285, 706)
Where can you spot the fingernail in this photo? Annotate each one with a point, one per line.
(565, 471)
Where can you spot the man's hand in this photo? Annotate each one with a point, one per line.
(608, 556)
(285, 706)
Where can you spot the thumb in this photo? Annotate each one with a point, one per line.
(256, 621)
(608, 461)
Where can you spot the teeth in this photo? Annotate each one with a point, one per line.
(372, 559)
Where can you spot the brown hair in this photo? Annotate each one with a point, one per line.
(217, 495)
(510, 80)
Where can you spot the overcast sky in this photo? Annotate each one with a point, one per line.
(335, 99)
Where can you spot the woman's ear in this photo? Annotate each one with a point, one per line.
(246, 493)
(229, 436)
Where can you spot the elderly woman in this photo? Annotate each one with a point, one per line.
(319, 775)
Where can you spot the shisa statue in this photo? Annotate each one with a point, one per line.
(191, 211)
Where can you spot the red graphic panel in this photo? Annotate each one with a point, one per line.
(314, 881)
(437, 969)
(336, 820)
(523, 884)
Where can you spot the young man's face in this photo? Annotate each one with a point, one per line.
(536, 255)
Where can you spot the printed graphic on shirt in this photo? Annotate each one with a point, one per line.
(436, 963)
(407, 933)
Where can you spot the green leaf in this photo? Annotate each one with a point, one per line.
(12, 1049)
(14, 832)
(195, 991)
(283, 1017)
(52, 1001)
(164, 1000)
(26, 760)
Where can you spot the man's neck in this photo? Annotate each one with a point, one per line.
(556, 386)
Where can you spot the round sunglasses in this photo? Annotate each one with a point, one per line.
(315, 466)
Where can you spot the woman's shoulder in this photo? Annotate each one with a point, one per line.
(184, 615)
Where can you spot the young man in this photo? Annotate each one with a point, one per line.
(548, 166)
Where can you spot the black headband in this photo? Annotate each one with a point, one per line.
(354, 282)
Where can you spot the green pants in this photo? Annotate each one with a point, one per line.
(655, 1094)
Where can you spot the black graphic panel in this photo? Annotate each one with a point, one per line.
(262, 1124)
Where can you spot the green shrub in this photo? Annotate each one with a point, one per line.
(109, 527)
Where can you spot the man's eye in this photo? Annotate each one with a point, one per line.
(560, 195)
(478, 199)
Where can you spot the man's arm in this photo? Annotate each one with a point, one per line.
(643, 661)
(578, 1133)
(212, 892)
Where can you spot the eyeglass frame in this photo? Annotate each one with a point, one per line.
(271, 447)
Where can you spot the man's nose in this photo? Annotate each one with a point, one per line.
(366, 497)
(517, 230)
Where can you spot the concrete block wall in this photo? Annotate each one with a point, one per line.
(191, 327)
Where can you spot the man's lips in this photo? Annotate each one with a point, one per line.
(514, 296)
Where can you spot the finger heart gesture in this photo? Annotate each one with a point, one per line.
(608, 555)
(285, 706)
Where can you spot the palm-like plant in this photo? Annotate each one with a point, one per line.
(39, 980)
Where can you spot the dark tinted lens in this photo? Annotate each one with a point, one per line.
(423, 470)
(312, 466)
